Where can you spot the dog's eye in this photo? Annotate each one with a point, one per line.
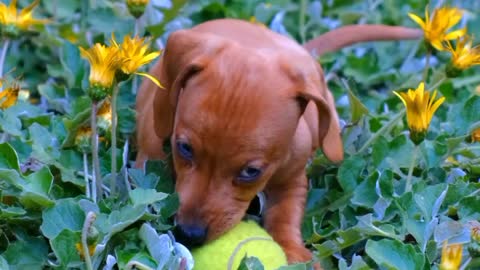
(185, 150)
(249, 173)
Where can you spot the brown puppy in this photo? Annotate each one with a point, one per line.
(245, 108)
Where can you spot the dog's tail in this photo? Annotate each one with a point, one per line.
(352, 34)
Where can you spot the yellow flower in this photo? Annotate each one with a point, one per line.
(451, 256)
(476, 138)
(79, 248)
(137, 7)
(9, 96)
(437, 27)
(134, 54)
(475, 229)
(464, 55)
(420, 109)
(21, 20)
(104, 62)
(138, 2)
(83, 139)
(104, 116)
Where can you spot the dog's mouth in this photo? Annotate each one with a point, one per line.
(194, 235)
(257, 206)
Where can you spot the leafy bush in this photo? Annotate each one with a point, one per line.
(361, 214)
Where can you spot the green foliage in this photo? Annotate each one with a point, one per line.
(358, 215)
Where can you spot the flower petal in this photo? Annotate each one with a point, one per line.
(437, 44)
(417, 19)
(401, 98)
(456, 34)
(153, 79)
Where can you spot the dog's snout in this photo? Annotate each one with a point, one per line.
(190, 235)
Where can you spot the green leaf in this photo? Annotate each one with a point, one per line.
(37, 188)
(4, 264)
(364, 194)
(140, 196)
(160, 247)
(379, 150)
(250, 263)
(357, 264)
(394, 255)
(350, 171)
(8, 157)
(163, 169)
(297, 266)
(81, 117)
(426, 198)
(401, 149)
(434, 153)
(118, 220)
(343, 240)
(469, 208)
(140, 180)
(168, 206)
(361, 68)
(451, 230)
(55, 94)
(126, 121)
(366, 225)
(471, 107)
(71, 63)
(356, 106)
(66, 214)
(43, 120)
(11, 124)
(63, 246)
(169, 15)
(27, 253)
(10, 182)
(45, 145)
(7, 212)
(140, 260)
(69, 163)
(62, 9)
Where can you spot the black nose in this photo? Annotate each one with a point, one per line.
(190, 235)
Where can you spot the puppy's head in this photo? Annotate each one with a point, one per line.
(231, 114)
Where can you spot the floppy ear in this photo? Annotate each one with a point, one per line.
(187, 52)
(329, 135)
(312, 88)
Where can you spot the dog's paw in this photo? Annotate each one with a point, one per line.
(316, 266)
(298, 254)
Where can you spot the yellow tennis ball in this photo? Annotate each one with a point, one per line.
(227, 251)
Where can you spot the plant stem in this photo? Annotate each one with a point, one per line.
(438, 83)
(408, 184)
(301, 20)
(124, 166)
(134, 84)
(94, 183)
(86, 226)
(473, 193)
(427, 64)
(136, 30)
(382, 130)
(85, 172)
(97, 188)
(3, 55)
(113, 104)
